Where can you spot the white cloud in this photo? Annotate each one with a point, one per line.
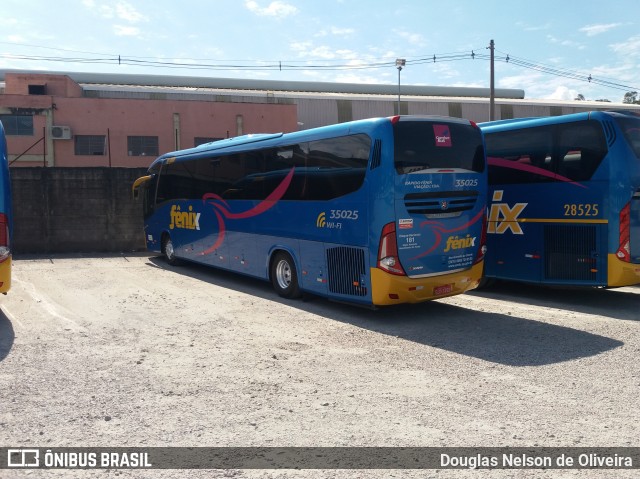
(121, 10)
(336, 32)
(565, 43)
(412, 38)
(126, 11)
(533, 28)
(323, 52)
(631, 47)
(274, 9)
(7, 22)
(342, 31)
(126, 31)
(562, 93)
(592, 30)
(301, 47)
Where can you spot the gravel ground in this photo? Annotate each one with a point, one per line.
(128, 351)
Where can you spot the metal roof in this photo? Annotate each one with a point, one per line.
(275, 85)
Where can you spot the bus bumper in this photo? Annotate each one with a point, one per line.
(387, 289)
(621, 273)
(5, 275)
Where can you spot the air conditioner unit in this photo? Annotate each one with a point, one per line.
(61, 132)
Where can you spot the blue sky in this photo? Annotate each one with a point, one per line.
(338, 41)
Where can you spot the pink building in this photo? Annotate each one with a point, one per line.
(50, 120)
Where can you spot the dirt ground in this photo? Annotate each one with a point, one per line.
(128, 351)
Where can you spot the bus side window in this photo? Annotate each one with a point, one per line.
(582, 146)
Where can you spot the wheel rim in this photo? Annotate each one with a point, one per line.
(168, 249)
(283, 274)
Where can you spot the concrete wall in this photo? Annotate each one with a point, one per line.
(75, 210)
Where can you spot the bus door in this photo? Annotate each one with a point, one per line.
(180, 212)
(440, 195)
(144, 191)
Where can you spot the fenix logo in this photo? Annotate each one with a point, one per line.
(503, 217)
(455, 242)
(189, 220)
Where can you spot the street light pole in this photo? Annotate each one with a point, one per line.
(400, 62)
(492, 89)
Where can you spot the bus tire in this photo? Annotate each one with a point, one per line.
(486, 283)
(284, 276)
(168, 251)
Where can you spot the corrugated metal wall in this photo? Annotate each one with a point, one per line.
(325, 109)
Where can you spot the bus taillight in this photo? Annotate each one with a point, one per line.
(388, 251)
(4, 237)
(483, 241)
(624, 251)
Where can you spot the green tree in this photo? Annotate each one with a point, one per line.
(631, 97)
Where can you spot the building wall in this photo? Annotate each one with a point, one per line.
(175, 122)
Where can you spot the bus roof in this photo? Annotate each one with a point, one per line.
(239, 143)
(489, 126)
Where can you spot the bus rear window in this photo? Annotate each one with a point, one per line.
(422, 145)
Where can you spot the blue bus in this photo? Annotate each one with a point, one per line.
(376, 212)
(5, 216)
(564, 199)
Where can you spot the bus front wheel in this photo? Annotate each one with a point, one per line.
(284, 276)
(168, 251)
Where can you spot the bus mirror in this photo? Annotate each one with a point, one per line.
(135, 189)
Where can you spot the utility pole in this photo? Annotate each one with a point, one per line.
(492, 89)
(400, 62)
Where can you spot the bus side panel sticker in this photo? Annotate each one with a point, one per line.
(270, 201)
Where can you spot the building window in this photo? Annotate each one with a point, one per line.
(90, 145)
(18, 125)
(37, 90)
(142, 145)
(201, 140)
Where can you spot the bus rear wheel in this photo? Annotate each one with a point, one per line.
(284, 276)
(168, 251)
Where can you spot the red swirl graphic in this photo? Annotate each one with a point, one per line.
(221, 206)
(531, 169)
(438, 230)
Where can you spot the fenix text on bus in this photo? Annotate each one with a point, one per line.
(564, 198)
(5, 216)
(376, 212)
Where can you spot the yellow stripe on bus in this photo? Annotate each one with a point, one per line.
(568, 221)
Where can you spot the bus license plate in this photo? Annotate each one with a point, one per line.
(444, 289)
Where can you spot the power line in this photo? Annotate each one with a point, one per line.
(324, 65)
